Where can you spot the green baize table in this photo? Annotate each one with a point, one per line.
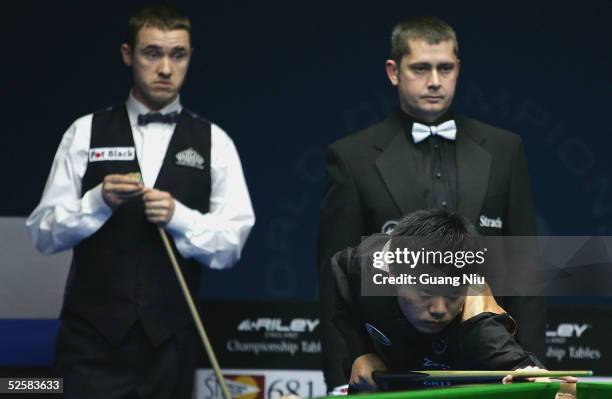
(526, 390)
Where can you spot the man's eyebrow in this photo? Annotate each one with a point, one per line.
(429, 63)
(152, 47)
(420, 64)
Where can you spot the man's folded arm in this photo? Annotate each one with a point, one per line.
(63, 218)
(216, 238)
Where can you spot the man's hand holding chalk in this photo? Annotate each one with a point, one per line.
(117, 189)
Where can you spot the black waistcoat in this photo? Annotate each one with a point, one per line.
(122, 273)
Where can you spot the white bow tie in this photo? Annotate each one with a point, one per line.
(420, 132)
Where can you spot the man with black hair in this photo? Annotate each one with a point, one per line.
(420, 326)
(425, 155)
(118, 175)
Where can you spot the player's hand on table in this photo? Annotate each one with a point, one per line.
(509, 378)
(159, 206)
(361, 371)
(567, 389)
(117, 189)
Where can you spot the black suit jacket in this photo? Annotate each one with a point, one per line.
(372, 181)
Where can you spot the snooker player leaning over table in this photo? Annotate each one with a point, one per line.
(419, 328)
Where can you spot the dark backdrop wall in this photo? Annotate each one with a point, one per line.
(284, 79)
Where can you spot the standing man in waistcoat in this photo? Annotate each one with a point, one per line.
(126, 330)
(425, 155)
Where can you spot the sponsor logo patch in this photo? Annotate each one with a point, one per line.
(439, 346)
(190, 158)
(246, 386)
(492, 223)
(377, 335)
(388, 227)
(112, 154)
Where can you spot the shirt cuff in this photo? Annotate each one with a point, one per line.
(93, 202)
(181, 219)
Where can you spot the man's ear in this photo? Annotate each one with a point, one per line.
(126, 54)
(392, 71)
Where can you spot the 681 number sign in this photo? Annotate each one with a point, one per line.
(281, 387)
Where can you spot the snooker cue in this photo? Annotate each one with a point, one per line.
(194, 313)
(501, 373)
(515, 373)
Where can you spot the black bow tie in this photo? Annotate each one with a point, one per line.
(157, 117)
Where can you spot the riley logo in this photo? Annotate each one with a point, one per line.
(276, 325)
(567, 330)
(190, 158)
(488, 222)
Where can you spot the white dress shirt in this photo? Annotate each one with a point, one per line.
(65, 216)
